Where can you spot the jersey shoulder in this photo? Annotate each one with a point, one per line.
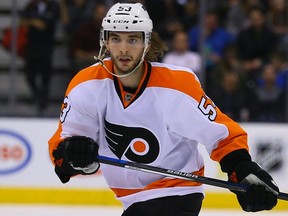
(93, 72)
(173, 76)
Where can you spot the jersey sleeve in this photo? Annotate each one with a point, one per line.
(200, 120)
(79, 116)
(194, 116)
(205, 122)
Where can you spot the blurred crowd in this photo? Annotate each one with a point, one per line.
(244, 52)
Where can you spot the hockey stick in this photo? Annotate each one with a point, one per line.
(179, 174)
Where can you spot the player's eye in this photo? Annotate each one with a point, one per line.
(115, 39)
(133, 40)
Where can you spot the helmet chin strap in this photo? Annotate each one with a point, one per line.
(101, 57)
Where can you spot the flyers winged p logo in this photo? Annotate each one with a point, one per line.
(137, 144)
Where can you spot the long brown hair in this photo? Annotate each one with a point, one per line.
(157, 48)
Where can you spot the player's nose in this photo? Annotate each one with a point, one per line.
(123, 47)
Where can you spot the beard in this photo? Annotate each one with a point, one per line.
(125, 69)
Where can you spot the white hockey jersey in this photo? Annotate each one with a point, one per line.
(160, 125)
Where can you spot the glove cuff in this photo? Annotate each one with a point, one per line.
(242, 170)
(234, 158)
(90, 169)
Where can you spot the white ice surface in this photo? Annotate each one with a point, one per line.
(39, 210)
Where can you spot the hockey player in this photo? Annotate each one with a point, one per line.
(128, 107)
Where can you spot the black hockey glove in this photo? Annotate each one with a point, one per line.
(262, 192)
(75, 155)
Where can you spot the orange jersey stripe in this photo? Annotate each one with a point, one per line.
(236, 135)
(163, 183)
(54, 141)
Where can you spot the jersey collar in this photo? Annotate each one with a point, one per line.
(128, 98)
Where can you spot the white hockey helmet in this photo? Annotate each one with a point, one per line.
(127, 17)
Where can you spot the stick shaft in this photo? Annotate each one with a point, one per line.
(178, 174)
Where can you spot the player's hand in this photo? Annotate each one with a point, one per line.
(75, 155)
(262, 192)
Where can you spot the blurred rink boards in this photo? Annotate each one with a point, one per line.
(44, 210)
(27, 176)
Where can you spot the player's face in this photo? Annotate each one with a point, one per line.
(126, 49)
